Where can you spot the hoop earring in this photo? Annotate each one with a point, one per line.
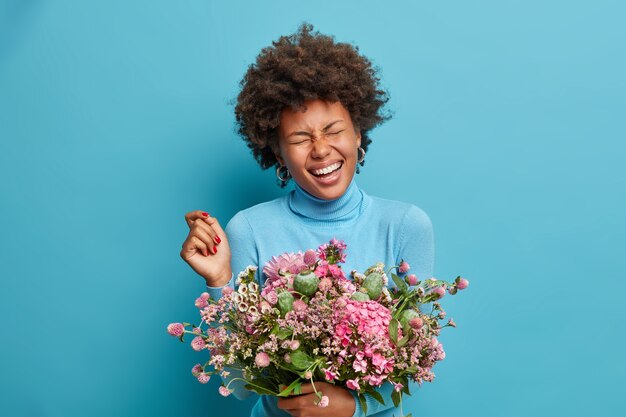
(362, 157)
(281, 169)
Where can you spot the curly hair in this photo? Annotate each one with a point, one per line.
(305, 66)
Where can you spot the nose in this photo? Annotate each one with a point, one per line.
(321, 148)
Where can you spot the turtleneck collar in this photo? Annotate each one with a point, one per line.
(346, 207)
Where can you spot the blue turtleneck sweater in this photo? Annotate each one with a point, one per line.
(375, 230)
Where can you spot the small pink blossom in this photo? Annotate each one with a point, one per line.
(439, 291)
(416, 323)
(323, 402)
(203, 378)
(462, 283)
(224, 391)
(299, 306)
(262, 360)
(227, 290)
(325, 285)
(198, 343)
(294, 344)
(451, 323)
(308, 375)
(330, 376)
(205, 296)
(176, 329)
(398, 387)
(201, 302)
(353, 384)
(197, 370)
(404, 267)
(310, 257)
(287, 358)
(411, 279)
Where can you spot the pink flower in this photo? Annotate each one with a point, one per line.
(287, 358)
(299, 306)
(308, 375)
(270, 295)
(176, 329)
(404, 267)
(323, 402)
(462, 283)
(330, 376)
(292, 263)
(416, 323)
(397, 387)
(440, 291)
(310, 257)
(325, 284)
(353, 384)
(451, 323)
(411, 279)
(294, 344)
(227, 290)
(224, 391)
(205, 296)
(262, 360)
(198, 343)
(203, 378)
(201, 302)
(197, 370)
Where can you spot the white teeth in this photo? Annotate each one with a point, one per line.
(327, 170)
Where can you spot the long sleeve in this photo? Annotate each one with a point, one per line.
(243, 253)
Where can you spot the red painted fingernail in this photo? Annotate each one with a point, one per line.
(205, 214)
(217, 239)
(215, 249)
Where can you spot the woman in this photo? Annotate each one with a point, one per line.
(306, 107)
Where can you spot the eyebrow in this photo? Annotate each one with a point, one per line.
(302, 132)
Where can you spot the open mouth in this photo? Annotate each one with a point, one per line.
(328, 171)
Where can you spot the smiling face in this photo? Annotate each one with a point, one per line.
(319, 146)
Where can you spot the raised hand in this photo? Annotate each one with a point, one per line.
(206, 248)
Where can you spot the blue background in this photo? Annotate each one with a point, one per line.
(509, 131)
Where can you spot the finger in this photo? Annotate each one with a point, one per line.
(191, 246)
(212, 221)
(206, 234)
(308, 388)
(193, 215)
(296, 403)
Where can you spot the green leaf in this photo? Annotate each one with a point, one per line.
(282, 334)
(395, 397)
(393, 330)
(301, 360)
(290, 388)
(259, 390)
(377, 396)
(399, 282)
(404, 340)
(363, 404)
(409, 415)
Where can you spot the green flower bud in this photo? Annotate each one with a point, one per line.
(285, 302)
(360, 296)
(306, 282)
(407, 316)
(373, 284)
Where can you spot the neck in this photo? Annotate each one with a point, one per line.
(314, 208)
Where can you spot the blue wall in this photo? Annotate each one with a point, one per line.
(509, 131)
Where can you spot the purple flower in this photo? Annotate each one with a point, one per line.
(176, 329)
(292, 263)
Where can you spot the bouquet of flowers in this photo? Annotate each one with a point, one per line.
(310, 323)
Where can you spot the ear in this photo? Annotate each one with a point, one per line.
(279, 158)
(358, 138)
